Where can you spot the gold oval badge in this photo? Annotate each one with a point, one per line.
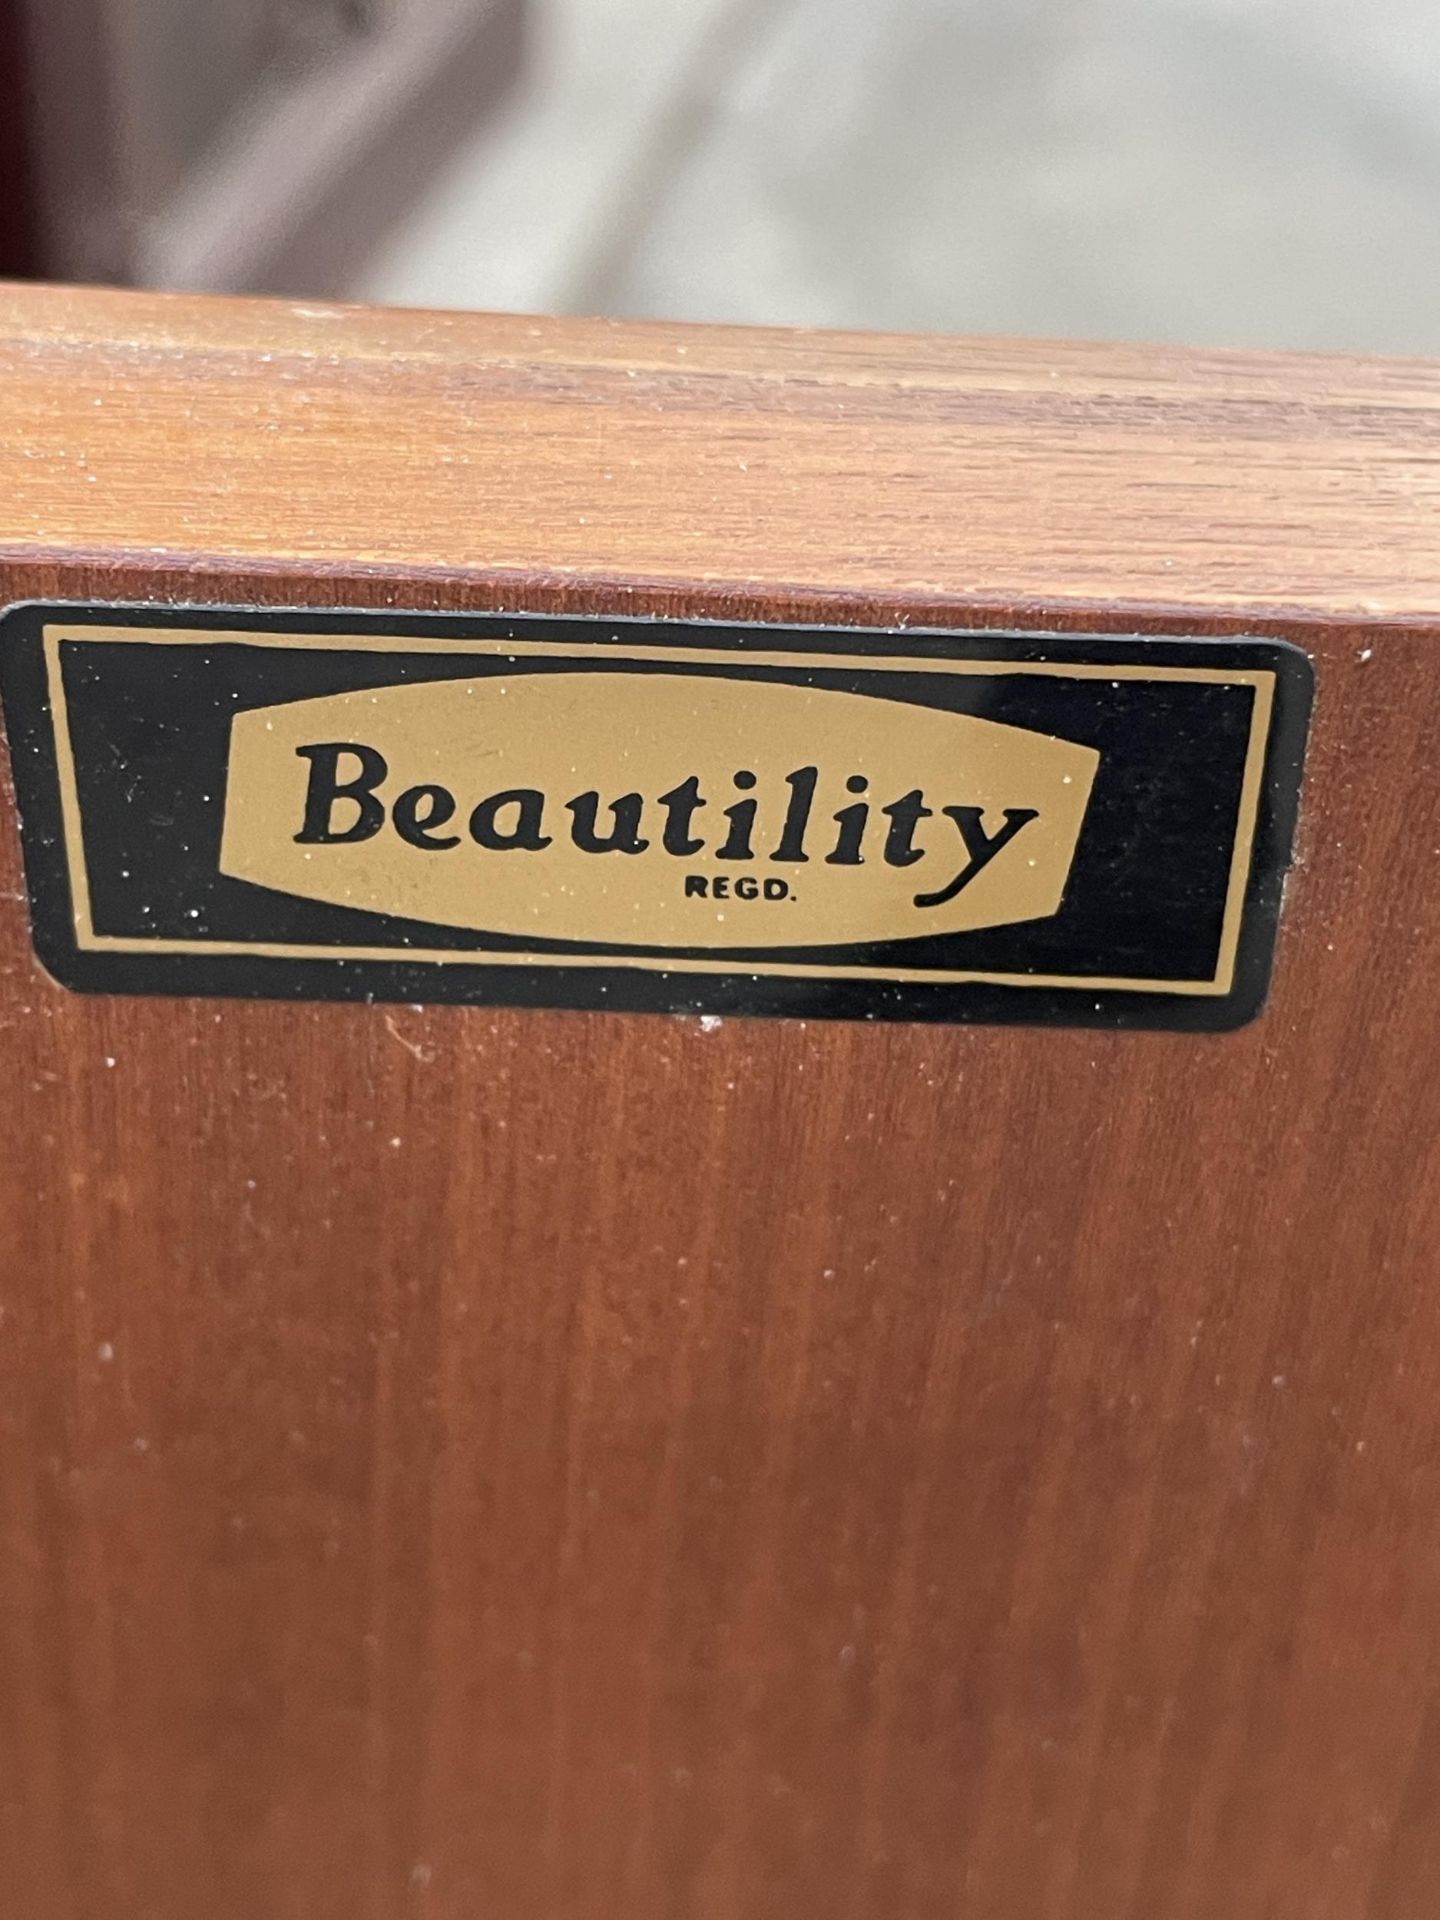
(664, 809)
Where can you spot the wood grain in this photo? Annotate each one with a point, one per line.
(459, 1463)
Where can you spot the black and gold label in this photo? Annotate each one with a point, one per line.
(628, 814)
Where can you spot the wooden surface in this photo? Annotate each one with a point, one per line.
(458, 1464)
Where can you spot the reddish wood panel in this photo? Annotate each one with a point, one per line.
(456, 1462)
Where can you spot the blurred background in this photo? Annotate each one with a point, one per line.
(1215, 172)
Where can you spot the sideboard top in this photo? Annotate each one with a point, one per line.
(996, 478)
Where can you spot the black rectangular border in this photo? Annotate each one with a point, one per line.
(731, 989)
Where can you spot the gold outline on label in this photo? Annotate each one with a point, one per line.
(1260, 680)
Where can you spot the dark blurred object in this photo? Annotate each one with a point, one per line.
(19, 218)
(248, 145)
